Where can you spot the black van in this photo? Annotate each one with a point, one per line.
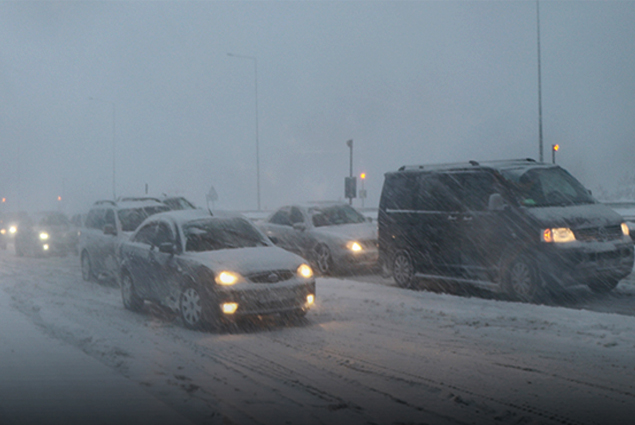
(517, 226)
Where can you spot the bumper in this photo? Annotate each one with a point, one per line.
(261, 299)
(582, 263)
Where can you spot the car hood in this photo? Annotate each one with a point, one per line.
(356, 231)
(575, 217)
(247, 260)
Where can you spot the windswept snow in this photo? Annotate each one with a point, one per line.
(368, 353)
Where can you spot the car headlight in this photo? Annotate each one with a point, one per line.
(557, 235)
(228, 278)
(625, 230)
(305, 271)
(354, 246)
(13, 229)
(3, 231)
(44, 236)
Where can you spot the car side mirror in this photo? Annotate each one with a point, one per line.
(109, 229)
(299, 226)
(496, 202)
(167, 248)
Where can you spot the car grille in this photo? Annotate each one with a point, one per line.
(369, 243)
(271, 276)
(599, 234)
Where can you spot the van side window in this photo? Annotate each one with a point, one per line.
(439, 192)
(476, 189)
(399, 193)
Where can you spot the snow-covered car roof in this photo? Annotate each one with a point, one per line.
(625, 208)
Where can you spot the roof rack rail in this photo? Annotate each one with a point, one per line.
(106, 201)
(137, 198)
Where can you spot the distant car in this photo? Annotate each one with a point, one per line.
(107, 224)
(45, 233)
(212, 269)
(9, 227)
(177, 203)
(627, 210)
(330, 235)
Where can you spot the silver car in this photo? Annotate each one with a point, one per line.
(212, 269)
(330, 235)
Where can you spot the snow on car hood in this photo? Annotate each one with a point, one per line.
(578, 216)
(247, 260)
(355, 231)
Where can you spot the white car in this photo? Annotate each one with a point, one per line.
(212, 269)
(331, 235)
(627, 210)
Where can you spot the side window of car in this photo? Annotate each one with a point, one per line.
(296, 216)
(109, 218)
(476, 188)
(95, 219)
(440, 193)
(281, 218)
(146, 234)
(163, 235)
(399, 192)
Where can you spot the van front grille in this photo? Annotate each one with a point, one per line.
(599, 234)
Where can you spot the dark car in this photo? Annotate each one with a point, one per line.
(107, 224)
(332, 235)
(45, 233)
(519, 226)
(212, 269)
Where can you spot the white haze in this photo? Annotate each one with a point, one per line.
(409, 82)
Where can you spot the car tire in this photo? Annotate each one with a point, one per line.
(603, 286)
(403, 269)
(323, 260)
(521, 280)
(131, 301)
(87, 269)
(191, 307)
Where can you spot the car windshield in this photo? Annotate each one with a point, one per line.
(214, 234)
(131, 218)
(547, 187)
(335, 215)
(179, 204)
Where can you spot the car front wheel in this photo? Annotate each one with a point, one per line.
(403, 269)
(191, 308)
(323, 260)
(87, 269)
(522, 280)
(131, 300)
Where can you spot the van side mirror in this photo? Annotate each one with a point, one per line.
(496, 202)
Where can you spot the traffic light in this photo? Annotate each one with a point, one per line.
(350, 187)
(554, 148)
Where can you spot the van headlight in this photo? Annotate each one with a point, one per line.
(625, 230)
(557, 235)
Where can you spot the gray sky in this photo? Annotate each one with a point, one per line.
(409, 82)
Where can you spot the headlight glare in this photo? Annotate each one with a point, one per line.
(305, 271)
(44, 236)
(13, 229)
(557, 235)
(625, 229)
(228, 278)
(354, 246)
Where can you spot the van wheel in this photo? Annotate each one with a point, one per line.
(403, 270)
(603, 286)
(522, 280)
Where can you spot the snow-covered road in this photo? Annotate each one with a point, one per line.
(368, 353)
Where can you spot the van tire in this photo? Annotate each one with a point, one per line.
(403, 269)
(521, 280)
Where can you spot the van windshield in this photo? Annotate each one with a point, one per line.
(547, 187)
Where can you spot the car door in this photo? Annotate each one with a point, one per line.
(136, 255)
(109, 243)
(280, 229)
(164, 265)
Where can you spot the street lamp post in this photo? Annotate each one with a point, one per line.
(114, 181)
(540, 148)
(256, 102)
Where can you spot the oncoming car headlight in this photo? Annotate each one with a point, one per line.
(557, 235)
(44, 236)
(625, 229)
(354, 246)
(13, 229)
(228, 278)
(305, 271)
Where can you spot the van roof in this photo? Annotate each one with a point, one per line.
(496, 165)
